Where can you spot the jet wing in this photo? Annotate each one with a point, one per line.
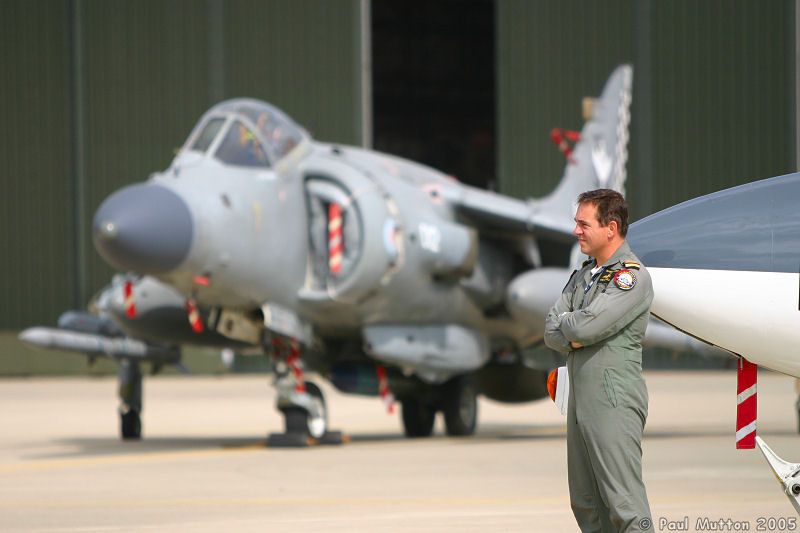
(490, 211)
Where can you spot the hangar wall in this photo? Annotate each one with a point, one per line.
(35, 208)
(713, 92)
(98, 94)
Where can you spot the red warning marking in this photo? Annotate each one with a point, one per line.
(130, 304)
(296, 366)
(746, 404)
(562, 138)
(383, 389)
(194, 316)
(203, 281)
(335, 242)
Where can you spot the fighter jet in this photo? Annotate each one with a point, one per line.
(382, 275)
(375, 271)
(725, 270)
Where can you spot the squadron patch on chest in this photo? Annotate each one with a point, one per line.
(625, 279)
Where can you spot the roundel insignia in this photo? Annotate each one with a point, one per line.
(625, 279)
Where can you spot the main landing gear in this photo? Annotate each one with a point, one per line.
(457, 399)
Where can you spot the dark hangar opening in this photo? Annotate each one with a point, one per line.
(433, 67)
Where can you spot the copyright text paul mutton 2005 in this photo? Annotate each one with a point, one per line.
(706, 523)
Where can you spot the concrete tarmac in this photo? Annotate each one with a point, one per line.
(203, 466)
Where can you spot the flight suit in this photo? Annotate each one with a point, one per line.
(607, 313)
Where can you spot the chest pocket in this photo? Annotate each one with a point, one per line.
(598, 287)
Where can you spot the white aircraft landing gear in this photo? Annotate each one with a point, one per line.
(302, 404)
(797, 402)
(788, 474)
(130, 395)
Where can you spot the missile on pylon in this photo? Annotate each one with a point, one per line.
(93, 344)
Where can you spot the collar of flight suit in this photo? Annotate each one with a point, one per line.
(622, 252)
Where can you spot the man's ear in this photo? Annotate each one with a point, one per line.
(613, 228)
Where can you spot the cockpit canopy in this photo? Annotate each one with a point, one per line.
(247, 133)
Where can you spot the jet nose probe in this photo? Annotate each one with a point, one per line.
(144, 228)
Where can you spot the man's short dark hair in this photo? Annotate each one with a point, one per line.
(610, 206)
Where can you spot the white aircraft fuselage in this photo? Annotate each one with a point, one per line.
(726, 269)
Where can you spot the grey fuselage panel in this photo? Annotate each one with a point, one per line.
(746, 228)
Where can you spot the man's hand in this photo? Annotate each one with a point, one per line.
(575, 345)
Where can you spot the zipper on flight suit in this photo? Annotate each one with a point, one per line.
(580, 293)
(587, 295)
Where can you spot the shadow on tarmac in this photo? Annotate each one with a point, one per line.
(113, 446)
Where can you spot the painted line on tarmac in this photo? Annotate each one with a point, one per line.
(275, 502)
(145, 457)
(531, 503)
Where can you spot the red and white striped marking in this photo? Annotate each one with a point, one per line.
(194, 316)
(130, 303)
(296, 366)
(746, 404)
(562, 138)
(383, 390)
(335, 242)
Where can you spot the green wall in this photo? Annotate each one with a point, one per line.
(35, 200)
(713, 97)
(96, 94)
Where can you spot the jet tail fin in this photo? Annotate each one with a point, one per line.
(598, 159)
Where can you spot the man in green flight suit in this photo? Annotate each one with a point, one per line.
(599, 321)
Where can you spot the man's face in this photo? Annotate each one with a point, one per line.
(592, 237)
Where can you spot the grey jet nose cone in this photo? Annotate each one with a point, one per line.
(144, 228)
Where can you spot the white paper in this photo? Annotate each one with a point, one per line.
(562, 390)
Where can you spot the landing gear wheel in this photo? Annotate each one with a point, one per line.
(304, 429)
(460, 407)
(418, 418)
(130, 425)
(298, 420)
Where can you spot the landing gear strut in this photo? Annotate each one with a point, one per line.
(797, 402)
(130, 395)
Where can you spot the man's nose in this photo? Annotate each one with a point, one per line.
(144, 228)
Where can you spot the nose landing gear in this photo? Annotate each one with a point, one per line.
(130, 395)
(301, 402)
